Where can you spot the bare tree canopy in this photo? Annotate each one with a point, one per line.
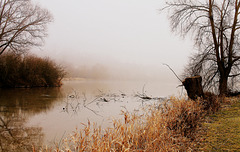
(22, 25)
(215, 26)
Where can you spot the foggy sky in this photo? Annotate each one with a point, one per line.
(119, 34)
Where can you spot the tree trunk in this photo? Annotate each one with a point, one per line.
(193, 85)
(223, 87)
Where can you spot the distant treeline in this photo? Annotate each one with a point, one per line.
(29, 71)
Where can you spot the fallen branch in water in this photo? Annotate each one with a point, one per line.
(143, 95)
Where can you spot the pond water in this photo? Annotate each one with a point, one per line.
(41, 116)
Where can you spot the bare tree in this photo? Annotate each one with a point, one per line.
(214, 26)
(22, 25)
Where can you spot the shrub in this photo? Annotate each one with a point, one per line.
(9, 69)
(186, 117)
(210, 103)
(29, 71)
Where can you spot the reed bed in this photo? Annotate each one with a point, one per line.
(169, 126)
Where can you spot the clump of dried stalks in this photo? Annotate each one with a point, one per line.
(170, 126)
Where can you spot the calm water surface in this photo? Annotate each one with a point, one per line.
(42, 116)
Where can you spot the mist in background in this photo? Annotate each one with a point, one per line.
(114, 39)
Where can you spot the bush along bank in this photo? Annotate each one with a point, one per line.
(29, 71)
(173, 125)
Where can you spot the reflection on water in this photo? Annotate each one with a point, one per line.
(30, 101)
(15, 137)
(41, 116)
(16, 106)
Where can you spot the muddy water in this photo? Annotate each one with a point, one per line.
(42, 116)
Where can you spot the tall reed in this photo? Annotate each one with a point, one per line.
(169, 126)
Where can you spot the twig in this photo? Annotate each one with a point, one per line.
(60, 141)
(92, 101)
(143, 96)
(143, 92)
(172, 71)
(95, 112)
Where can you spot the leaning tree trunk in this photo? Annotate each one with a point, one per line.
(193, 85)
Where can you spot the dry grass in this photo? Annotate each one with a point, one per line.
(211, 102)
(170, 126)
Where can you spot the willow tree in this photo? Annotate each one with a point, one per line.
(214, 26)
(22, 25)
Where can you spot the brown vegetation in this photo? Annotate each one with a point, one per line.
(169, 126)
(29, 71)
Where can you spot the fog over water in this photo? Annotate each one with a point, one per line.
(116, 48)
(127, 39)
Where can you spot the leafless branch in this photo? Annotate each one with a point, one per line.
(214, 25)
(22, 25)
(172, 71)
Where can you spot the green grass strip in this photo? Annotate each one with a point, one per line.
(223, 130)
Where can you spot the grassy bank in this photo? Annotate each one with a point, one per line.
(223, 128)
(170, 126)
